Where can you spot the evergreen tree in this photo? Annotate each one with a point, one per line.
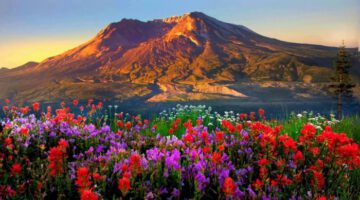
(341, 84)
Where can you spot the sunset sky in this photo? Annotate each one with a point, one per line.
(32, 30)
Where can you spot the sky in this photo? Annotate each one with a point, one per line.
(33, 30)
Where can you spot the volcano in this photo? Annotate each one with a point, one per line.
(188, 57)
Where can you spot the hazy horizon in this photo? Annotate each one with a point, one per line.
(34, 31)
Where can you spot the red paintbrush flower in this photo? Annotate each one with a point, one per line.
(135, 164)
(308, 133)
(171, 131)
(36, 106)
(219, 137)
(216, 158)
(261, 112)
(16, 169)
(298, 156)
(88, 195)
(263, 161)
(318, 180)
(56, 157)
(229, 187)
(128, 125)
(83, 179)
(124, 185)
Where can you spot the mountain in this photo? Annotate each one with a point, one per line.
(4, 69)
(189, 57)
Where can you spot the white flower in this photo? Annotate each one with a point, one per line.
(299, 115)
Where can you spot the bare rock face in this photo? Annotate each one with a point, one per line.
(192, 51)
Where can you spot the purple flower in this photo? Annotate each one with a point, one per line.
(172, 159)
(175, 193)
(149, 195)
(292, 164)
(251, 192)
(163, 190)
(202, 181)
(224, 173)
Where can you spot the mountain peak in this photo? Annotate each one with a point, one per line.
(176, 19)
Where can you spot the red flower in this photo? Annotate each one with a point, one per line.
(314, 150)
(124, 185)
(7, 101)
(252, 115)
(308, 132)
(257, 184)
(229, 187)
(318, 180)
(16, 169)
(188, 124)
(219, 137)
(283, 180)
(83, 177)
(178, 120)
(242, 115)
(25, 110)
(62, 145)
(204, 135)
(273, 183)
(36, 106)
(5, 108)
(97, 177)
(261, 112)
(216, 158)
(263, 161)
(75, 102)
(146, 121)
(128, 125)
(135, 164)
(171, 131)
(56, 157)
(8, 141)
(120, 123)
(198, 121)
(88, 195)
(298, 156)
(239, 127)
(321, 198)
(188, 138)
(288, 142)
(206, 150)
(221, 147)
(24, 131)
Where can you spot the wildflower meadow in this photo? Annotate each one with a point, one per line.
(89, 152)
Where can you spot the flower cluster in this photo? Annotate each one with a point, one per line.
(189, 153)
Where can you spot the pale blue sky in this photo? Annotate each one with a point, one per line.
(37, 29)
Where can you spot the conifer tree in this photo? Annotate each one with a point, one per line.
(341, 84)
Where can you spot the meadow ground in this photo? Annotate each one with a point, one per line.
(188, 152)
